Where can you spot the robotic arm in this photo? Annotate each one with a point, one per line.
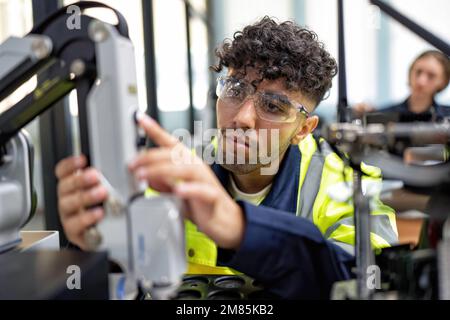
(144, 235)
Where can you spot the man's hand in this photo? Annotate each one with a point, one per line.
(173, 168)
(78, 189)
(169, 168)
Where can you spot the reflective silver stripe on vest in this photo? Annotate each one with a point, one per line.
(311, 184)
(344, 246)
(379, 224)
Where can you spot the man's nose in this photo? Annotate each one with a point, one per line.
(246, 116)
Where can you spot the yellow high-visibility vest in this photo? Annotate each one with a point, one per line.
(319, 172)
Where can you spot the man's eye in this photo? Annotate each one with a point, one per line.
(234, 92)
(273, 108)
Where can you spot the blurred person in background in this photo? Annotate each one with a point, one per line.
(428, 75)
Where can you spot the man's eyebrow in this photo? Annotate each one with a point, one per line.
(280, 96)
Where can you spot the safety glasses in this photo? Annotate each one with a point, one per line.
(269, 106)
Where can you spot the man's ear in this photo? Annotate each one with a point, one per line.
(302, 131)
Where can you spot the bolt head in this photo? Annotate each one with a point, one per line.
(78, 67)
(98, 31)
(41, 48)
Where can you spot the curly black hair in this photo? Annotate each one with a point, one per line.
(280, 50)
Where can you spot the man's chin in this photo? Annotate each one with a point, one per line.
(241, 168)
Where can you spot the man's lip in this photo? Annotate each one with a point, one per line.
(238, 141)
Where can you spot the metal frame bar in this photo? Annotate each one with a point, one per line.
(383, 74)
(149, 54)
(215, 9)
(187, 12)
(413, 26)
(342, 107)
(55, 132)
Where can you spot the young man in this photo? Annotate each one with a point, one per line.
(288, 228)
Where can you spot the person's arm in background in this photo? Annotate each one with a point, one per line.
(360, 109)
